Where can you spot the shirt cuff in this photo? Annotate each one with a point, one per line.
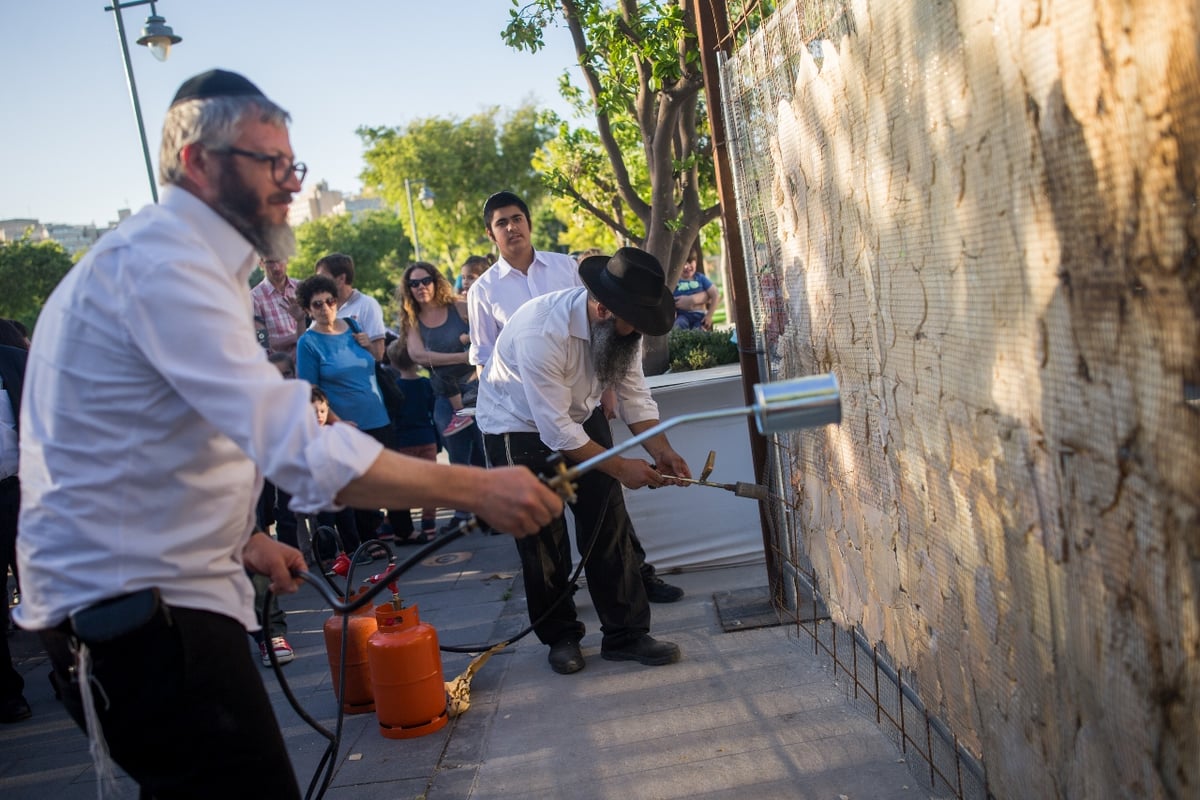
(339, 455)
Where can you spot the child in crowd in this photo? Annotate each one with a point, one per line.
(696, 297)
(453, 393)
(273, 509)
(470, 271)
(416, 434)
(342, 521)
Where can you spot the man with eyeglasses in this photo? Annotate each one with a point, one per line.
(519, 275)
(157, 416)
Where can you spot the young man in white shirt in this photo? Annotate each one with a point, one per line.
(520, 274)
(540, 396)
(141, 466)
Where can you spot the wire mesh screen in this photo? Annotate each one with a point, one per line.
(982, 217)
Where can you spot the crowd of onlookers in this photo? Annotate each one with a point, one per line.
(325, 331)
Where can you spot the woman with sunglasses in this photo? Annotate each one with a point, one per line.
(434, 325)
(328, 357)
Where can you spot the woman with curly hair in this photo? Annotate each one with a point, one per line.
(434, 326)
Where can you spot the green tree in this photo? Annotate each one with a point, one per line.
(29, 271)
(461, 162)
(646, 171)
(376, 241)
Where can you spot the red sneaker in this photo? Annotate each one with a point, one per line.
(457, 424)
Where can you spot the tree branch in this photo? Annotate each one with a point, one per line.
(608, 219)
(603, 126)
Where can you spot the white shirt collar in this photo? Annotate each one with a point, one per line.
(229, 245)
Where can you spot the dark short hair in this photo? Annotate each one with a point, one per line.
(283, 362)
(317, 284)
(11, 336)
(338, 264)
(318, 394)
(478, 264)
(398, 357)
(501, 200)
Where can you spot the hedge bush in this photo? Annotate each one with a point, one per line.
(689, 350)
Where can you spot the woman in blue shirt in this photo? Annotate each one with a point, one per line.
(332, 356)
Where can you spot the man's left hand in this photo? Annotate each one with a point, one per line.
(276, 560)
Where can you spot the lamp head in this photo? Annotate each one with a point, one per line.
(427, 197)
(158, 36)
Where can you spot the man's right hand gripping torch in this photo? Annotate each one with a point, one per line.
(808, 402)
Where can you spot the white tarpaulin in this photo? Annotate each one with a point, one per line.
(698, 526)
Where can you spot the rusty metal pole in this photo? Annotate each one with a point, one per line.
(712, 28)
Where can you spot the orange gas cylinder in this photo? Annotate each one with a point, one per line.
(361, 624)
(406, 674)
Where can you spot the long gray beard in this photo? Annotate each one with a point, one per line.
(239, 207)
(612, 354)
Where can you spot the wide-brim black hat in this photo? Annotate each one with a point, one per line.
(632, 286)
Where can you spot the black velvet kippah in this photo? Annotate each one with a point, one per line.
(216, 83)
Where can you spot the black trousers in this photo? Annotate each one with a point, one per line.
(11, 682)
(368, 520)
(272, 509)
(613, 577)
(187, 714)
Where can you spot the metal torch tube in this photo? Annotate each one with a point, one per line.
(781, 406)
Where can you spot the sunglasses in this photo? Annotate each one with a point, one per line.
(319, 304)
(426, 281)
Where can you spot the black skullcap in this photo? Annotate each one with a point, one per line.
(216, 83)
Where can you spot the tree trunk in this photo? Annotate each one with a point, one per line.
(655, 356)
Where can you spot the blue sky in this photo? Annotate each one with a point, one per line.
(69, 149)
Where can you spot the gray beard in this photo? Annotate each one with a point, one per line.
(239, 206)
(612, 355)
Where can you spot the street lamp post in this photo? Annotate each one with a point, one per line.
(427, 198)
(158, 36)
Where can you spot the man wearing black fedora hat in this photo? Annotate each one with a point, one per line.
(140, 468)
(521, 274)
(539, 396)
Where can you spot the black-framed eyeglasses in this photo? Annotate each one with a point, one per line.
(426, 281)
(282, 166)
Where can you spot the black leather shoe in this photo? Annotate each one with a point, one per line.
(658, 591)
(566, 657)
(645, 649)
(14, 709)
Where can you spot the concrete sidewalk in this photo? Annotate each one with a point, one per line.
(750, 713)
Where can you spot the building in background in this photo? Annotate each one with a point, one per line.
(314, 202)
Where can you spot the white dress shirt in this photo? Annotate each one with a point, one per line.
(364, 310)
(502, 289)
(540, 378)
(148, 405)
